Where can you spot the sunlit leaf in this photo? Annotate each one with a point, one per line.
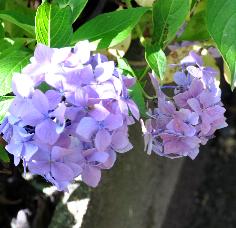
(221, 22)
(110, 29)
(53, 25)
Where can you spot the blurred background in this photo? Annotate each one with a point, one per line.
(140, 191)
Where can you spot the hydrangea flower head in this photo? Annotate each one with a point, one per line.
(179, 125)
(70, 115)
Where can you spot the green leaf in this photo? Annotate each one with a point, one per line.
(5, 43)
(21, 6)
(168, 16)
(77, 6)
(11, 62)
(156, 59)
(221, 23)
(196, 29)
(2, 32)
(3, 154)
(193, 3)
(24, 21)
(110, 29)
(14, 43)
(5, 103)
(2, 4)
(136, 91)
(125, 67)
(53, 25)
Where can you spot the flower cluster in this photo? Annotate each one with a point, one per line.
(70, 115)
(178, 126)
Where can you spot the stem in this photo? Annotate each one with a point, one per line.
(194, 7)
(140, 34)
(128, 3)
(144, 73)
(147, 96)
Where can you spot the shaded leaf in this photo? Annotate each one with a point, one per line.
(2, 32)
(15, 43)
(3, 154)
(24, 21)
(2, 4)
(196, 29)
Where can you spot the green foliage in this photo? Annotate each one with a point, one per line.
(193, 3)
(77, 6)
(196, 29)
(16, 17)
(53, 25)
(156, 59)
(221, 22)
(168, 16)
(3, 154)
(11, 61)
(125, 67)
(2, 32)
(11, 29)
(13, 43)
(2, 4)
(136, 91)
(5, 103)
(110, 29)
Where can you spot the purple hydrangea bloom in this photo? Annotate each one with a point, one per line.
(78, 125)
(21, 145)
(178, 126)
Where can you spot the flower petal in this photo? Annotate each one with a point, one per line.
(54, 98)
(102, 140)
(91, 176)
(98, 112)
(61, 172)
(39, 167)
(110, 161)
(104, 71)
(134, 109)
(15, 149)
(46, 131)
(86, 128)
(40, 102)
(113, 121)
(29, 150)
(100, 157)
(22, 85)
(119, 140)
